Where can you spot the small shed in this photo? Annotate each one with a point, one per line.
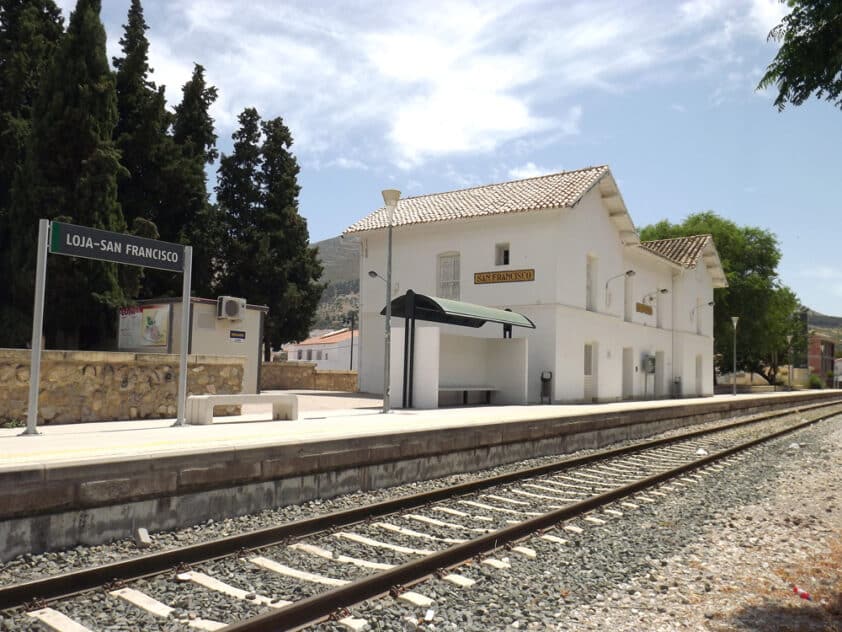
(227, 326)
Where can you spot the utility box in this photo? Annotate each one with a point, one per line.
(546, 386)
(153, 326)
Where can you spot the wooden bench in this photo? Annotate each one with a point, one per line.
(200, 407)
(466, 389)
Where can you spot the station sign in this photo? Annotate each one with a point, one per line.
(93, 243)
(504, 276)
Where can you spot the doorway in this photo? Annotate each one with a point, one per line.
(699, 375)
(659, 374)
(590, 389)
(628, 373)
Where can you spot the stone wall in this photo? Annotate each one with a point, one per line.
(102, 386)
(305, 375)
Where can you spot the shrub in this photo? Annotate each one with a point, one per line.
(816, 382)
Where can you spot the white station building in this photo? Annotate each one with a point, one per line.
(615, 318)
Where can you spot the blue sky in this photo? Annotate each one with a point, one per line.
(431, 96)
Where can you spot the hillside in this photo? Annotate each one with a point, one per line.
(341, 260)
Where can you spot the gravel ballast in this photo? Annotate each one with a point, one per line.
(650, 569)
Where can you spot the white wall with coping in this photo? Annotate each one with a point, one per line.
(556, 244)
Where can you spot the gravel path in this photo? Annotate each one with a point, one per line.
(720, 555)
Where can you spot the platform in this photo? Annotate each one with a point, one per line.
(77, 482)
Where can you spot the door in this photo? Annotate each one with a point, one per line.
(590, 373)
(628, 373)
(699, 375)
(659, 374)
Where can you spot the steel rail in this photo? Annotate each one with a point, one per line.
(75, 582)
(319, 607)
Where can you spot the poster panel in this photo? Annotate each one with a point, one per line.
(144, 327)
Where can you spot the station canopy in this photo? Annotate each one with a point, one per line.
(450, 312)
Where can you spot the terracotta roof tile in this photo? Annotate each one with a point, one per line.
(557, 190)
(685, 251)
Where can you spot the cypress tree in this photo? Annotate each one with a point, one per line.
(187, 216)
(29, 33)
(71, 173)
(140, 133)
(268, 257)
(292, 290)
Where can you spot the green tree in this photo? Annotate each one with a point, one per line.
(189, 218)
(29, 33)
(140, 134)
(268, 256)
(810, 57)
(71, 173)
(750, 258)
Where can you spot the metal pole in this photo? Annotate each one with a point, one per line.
(351, 363)
(789, 354)
(387, 359)
(735, 319)
(37, 329)
(185, 326)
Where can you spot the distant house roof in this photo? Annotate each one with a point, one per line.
(331, 337)
(556, 190)
(687, 252)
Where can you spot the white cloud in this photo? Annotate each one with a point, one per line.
(530, 170)
(428, 81)
(348, 163)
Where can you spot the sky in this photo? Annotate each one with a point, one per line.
(427, 96)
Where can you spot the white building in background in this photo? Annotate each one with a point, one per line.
(330, 351)
(615, 318)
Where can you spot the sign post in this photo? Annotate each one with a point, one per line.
(92, 243)
(37, 329)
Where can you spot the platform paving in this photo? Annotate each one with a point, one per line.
(324, 416)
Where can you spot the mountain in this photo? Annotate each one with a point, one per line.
(340, 257)
(823, 321)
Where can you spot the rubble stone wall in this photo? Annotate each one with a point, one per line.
(305, 375)
(81, 386)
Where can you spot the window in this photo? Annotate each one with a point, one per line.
(300, 354)
(501, 254)
(309, 355)
(590, 284)
(318, 355)
(325, 355)
(448, 276)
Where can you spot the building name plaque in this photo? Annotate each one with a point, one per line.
(504, 276)
(643, 308)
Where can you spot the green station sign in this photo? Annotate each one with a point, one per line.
(93, 243)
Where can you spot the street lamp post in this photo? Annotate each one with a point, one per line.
(789, 353)
(350, 320)
(390, 197)
(735, 320)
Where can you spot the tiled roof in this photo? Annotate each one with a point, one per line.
(557, 190)
(329, 338)
(685, 251)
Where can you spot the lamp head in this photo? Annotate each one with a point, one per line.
(711, 303)
(664, 291)
(630, 273)
(373, 274)
(391, 197)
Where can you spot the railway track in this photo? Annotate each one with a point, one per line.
(300, 573)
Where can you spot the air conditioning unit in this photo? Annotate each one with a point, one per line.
(230, 307)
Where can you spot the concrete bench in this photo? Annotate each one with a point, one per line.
(200, 407)
(466, 389)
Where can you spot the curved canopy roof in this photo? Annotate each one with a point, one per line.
(450, 312)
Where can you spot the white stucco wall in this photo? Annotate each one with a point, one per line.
(556, 244)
